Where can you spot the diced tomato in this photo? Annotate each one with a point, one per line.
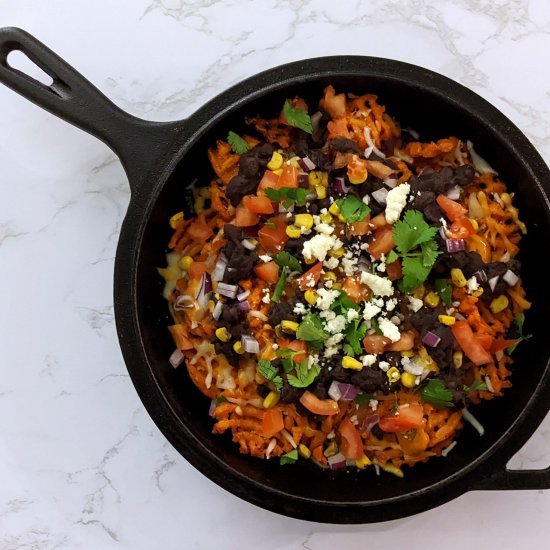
(379, 221)
(269, 179)
(325, 407)
(258, 205)
(452, 209)
(273, 239)
(375, 343)
(310, 278)
(289, 177)
(197, 269)
(272, 422)
(407, 417)
(360, 228)
(294, 345)
(244, 217)
(461, 229)
(394, 270)
(354, 290)
(351, 444)
(382, 242)
(499, 345)
(199, 231)
(470, 346)
(268, 272)
(405, 343)
(486, 340)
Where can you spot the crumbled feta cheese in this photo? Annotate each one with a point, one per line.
(380, 286)
(414, 303)
(384, 365)
(300, 308)
(389, 330)
(348, 265)
(396, 201)
(368, 360)
(330, 351)
(331, 263)
(352, 314)
(265, 258)
(336, 325)
(370, 310)
(473, 284)
(318, 246)
(327, 314)
(390, 304)
(378, 302)
(329, 283)
(266, 296)
(324, 228)
(381, 267)
(373, 404)
(326, 297)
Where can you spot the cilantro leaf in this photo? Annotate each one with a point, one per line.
(289, 458)
(348, 350)
(280, 286)
(269, 372)
(220, 399)
(288, 195)
(353, 209)
(304, 375)
(519, 320)
(363, 398)
(238, 144)
(297, 117)
(287, 356)
(436, 393)
(287, 259)
(343, 303)
(477, 385)
(411, 231)
(270, 224)
(395, 406)
(374, 324)
(391, 257)
(430, 253)
(414, 273)
(354, 333)
(311, 329)
(445, 290)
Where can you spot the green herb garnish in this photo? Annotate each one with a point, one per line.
(238, 144)
(445, 290)
(477, 385)
(220, 399)
(297, 117)
(519, 320)
(374, 324)
(270, 224)
(304, 374)
(363, 398)
(280, 286)
(311, 329)
(289, 458)
(354, 333)
(342, 304)
(269, 372)
(436, 393)
(287, 357)
(287, 259)
(353, 209)
(288, 195)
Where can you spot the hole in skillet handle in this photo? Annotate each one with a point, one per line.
(507, 479)
(19, 60)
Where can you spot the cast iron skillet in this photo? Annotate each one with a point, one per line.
(161, 159)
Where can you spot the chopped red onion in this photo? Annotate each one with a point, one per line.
(227, 290)
(283, 210)
(176, 358)
(369, 422)
(370, 143)
(413, 367)
(334, 391)
(337, 461)
(183, 302)
(510, 277)
(244, 306)
(256, 314)
(219, 269)
(493, 283)
(347, 391)
(303, 180)
(248, 244)
(442, 232)
(311, 197)
(250, 232)
(217, 310)
(205, 289)
(243, 295)
(391, 181)
(250, 344)
(212, 407)
(339, 185)
(481, 276)
(453, 193)
(307, 164)
(455, 245)
(431, 339)
(380, 196)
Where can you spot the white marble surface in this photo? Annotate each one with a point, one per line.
(81, 463)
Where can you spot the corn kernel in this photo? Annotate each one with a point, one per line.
(276, 161)
(321, 192)
(338, 253)
(419, 292)
(311, 297)
(211, 306)
(278, 172)
(457, 359)
(363, 462)
(318, 178)
(331, 449)
(222, 334)
(458, 277)
(303, 220)
(289, 326)
(336, 286)
(325, 218)
(294, 162)
(334, 209)
(391, 469)
(330, 275)
(393, 375)
(432, 299)
(351, 363)
(474, 223)
(408, 353)
(448, 320)
(293, 231)
(303, 451)
(185, 263)
(499, 304)
(238, 347)
(477, 293)
(271, 399)
(408, 380)
(176, 219)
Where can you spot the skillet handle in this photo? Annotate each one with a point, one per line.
(517, 479)
(140, 144)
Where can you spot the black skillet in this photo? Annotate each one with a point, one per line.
(162, 159)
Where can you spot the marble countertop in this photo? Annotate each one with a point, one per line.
(81, 463)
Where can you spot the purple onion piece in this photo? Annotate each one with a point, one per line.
(369, 422)
(212, 407)
(481, 276)
(391, 181)
(205, 289)
(311, 197)
(307, 164)
(431, 339)
(455, 245)
(493, 282)
(303, 180)
(510, 278)
(339, 185)
(227, 290)
(183, 302)
(250, 344)
(334, 391)
(244, 306)
(243, 295)
(176, 358)
(217, 310)
(219, 269)
(337, 461)
(250, 232)
(347, 391)
(380, 196)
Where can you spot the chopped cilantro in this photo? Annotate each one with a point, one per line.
(287, 357)
(220, 399)
(287, 259)
(238, 144)
(477, 385)
(363, 398)
(269, 372)
(519, 320)
(436, 393)
(270, 224)
(354, 333)
(395, 406)
(445, 290)
(289, 458)
(412, 231)
(311, 329)
(343, 303)
(304, 374)
(353, 209)
(280, 286)
(288, 195)
(392, 257)
(374, 324)
(297, 117)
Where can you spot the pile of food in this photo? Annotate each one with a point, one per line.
(345, 292)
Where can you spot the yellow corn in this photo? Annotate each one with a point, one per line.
(271, 399)
(458, 277)
(336, 286)
(432, 299)
(474, 223)
(448, 320)
(331, 450)
(211, 305)
(293, 231)
(499, 304)
(330, 275)
(325, 218)
(278, 172)
(303, 451)
(408, 380)
(334, 209)
(318, 178)
(477, 293)
(185, 263)
(238, 347)
(311, 297)
(407, 353)
(363, 462)
(303, 220)
(222, 334)
(294, 162)
(338, 253)
(393, 375)
(457, 359)
(419, 292)
(276, 161)
(351, 363)
(289, 326)
(176, 219)
(391, 469)
(321, 192)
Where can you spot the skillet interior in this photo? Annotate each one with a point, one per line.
(327, 495)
